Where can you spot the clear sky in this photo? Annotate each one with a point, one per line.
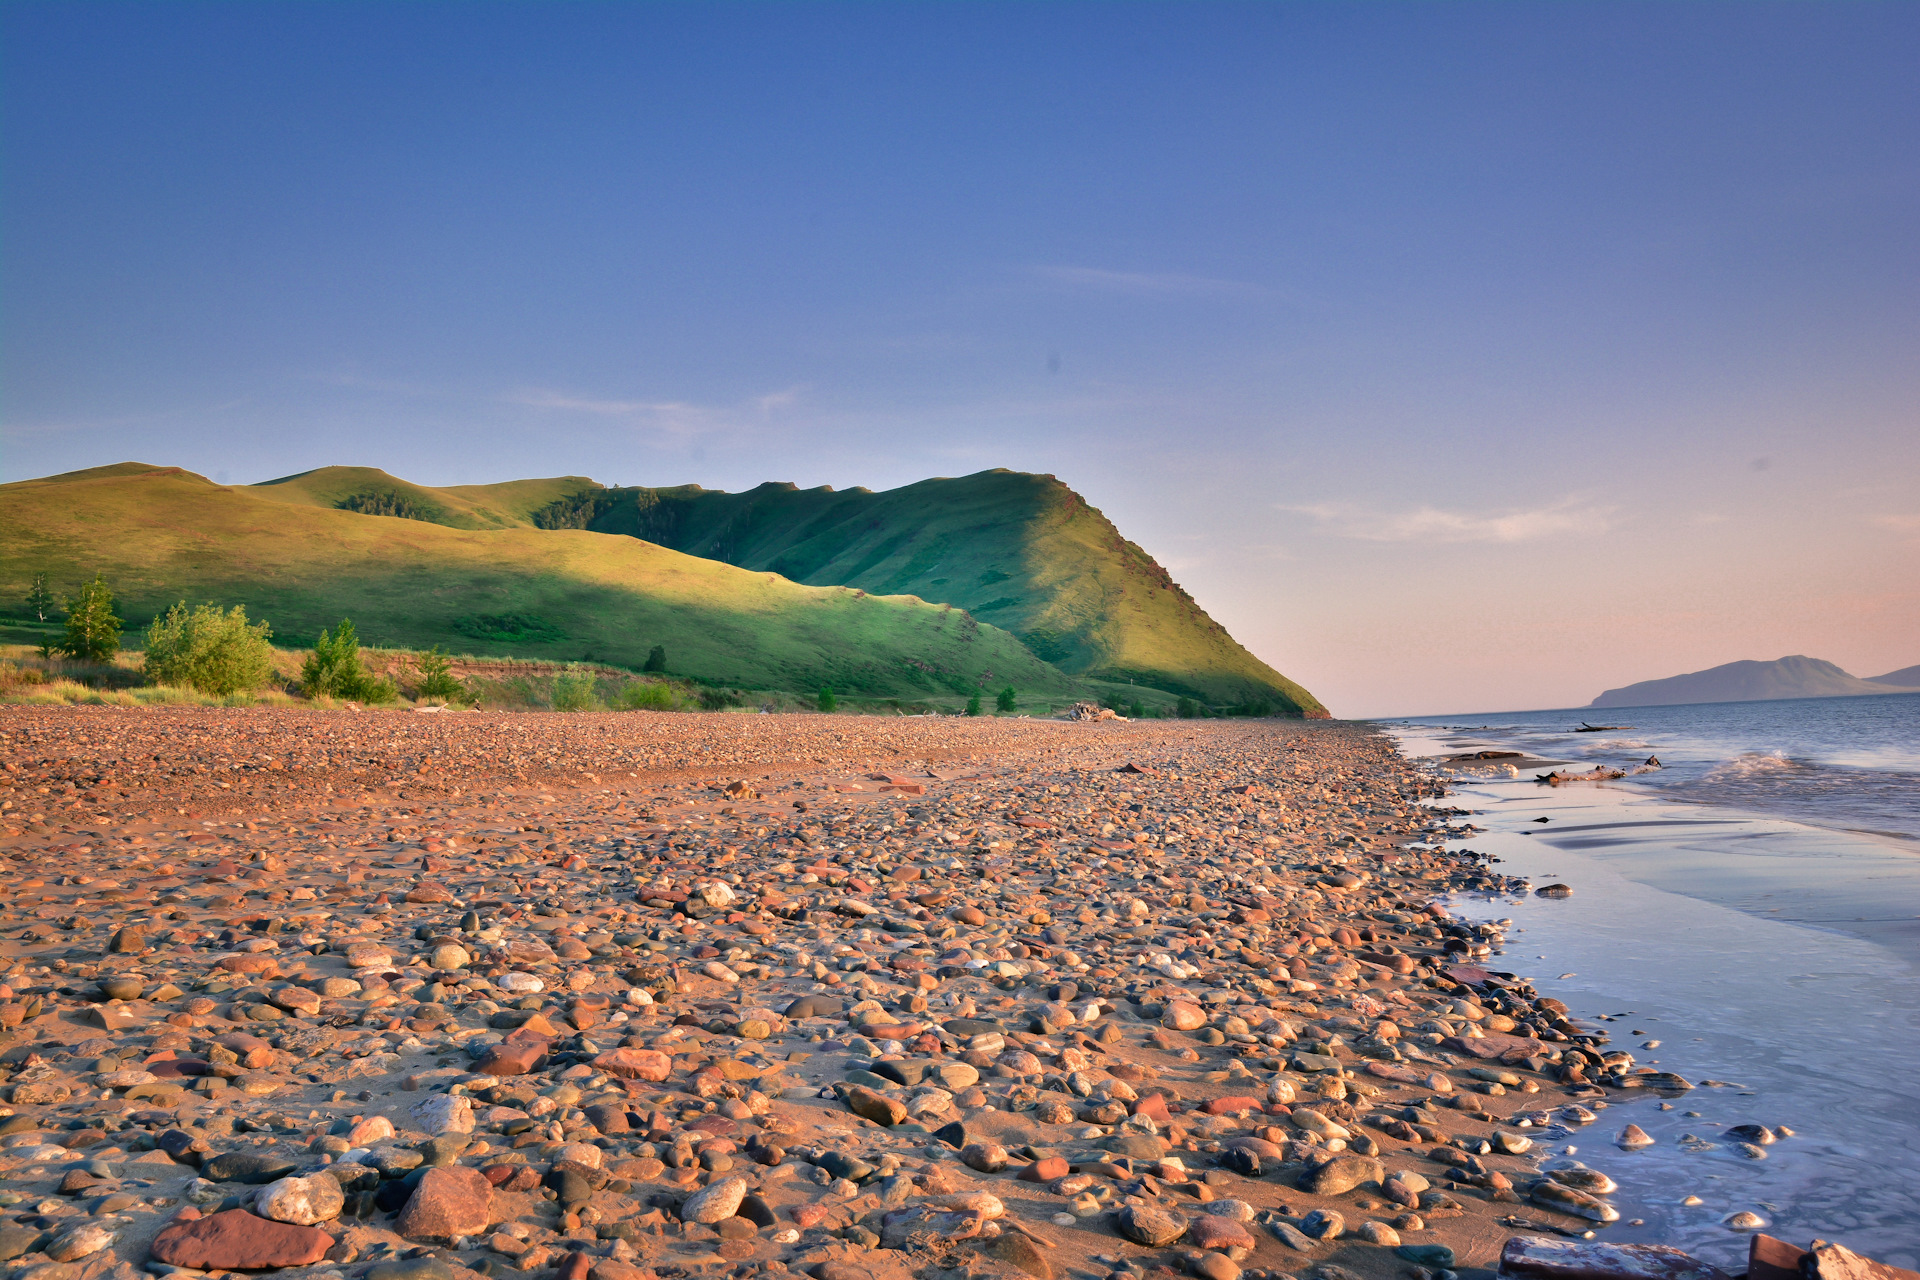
(1456, 357)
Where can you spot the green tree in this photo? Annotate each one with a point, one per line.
(827, 702)
(1189, 709)
(334, 669)
(213, 651)
(1007, 700)
(436, 676)
(1135, 711)
(656, 659)
(973, 705)
(93, 632)
(40, 597)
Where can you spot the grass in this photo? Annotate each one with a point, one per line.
(1023, 552)
(163, 534)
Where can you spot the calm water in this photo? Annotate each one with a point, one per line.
(1850, 763)
(1722, 908)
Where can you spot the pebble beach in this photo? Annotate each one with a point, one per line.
(639, 996)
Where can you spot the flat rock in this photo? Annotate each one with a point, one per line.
(236, 1240)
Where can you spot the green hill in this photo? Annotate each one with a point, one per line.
(289, 553)
(1023, 552)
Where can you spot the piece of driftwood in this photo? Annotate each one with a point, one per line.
(1600, 728)
(1599, 774)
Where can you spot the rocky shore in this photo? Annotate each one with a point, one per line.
(635, 996)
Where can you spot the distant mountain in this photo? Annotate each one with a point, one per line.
(1795, 677)
(1904, 678)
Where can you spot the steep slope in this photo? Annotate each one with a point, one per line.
(163, 534)
(1023, 552)
(1793, 677)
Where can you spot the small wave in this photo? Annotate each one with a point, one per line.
(1620, 744)
(1755, 765)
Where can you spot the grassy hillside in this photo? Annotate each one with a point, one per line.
(372, 491)
(1023, 552)
(292, 557)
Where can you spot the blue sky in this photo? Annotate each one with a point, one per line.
(1455, 356)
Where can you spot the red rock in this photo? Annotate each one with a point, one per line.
(1153, 1107)
(239, 1241)
(808, 1215)
(1216, 1231)
(1046, 1169)
(448, 1202)
(635, 1064)
(1229, 1105)
(1773, 1259)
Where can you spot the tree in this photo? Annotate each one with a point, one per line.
(436, 676)
(1135, 712)
(1189, 709)
(1006, 702)
(208, 650)
(827, 701)
(40, 597)
(334, 670)
(973, 705)
(656, 659)
(93, 633)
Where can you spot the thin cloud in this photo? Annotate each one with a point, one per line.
(1909, 525)
(1432, 524)
(679, 418)
(1165, 284)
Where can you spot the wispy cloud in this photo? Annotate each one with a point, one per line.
(1165, 284)
(1432, 524)
(674, 417)
(1908, 524)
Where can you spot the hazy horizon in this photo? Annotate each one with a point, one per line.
(1457, 356)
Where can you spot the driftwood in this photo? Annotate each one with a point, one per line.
(1600, 728)
(1600, 774)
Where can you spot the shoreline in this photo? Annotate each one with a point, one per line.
(1730, 990)
(1145, 968)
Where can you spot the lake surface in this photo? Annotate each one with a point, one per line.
(1846, 763)
(1780, 957)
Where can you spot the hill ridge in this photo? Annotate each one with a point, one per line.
(1794, 676)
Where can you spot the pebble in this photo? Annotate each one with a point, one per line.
(793, 974)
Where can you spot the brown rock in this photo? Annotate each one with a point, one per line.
(449, 1201)
(239, 1241)
(635, 1064)
(877, 1107)
(1217, 1231)
(1150, 1227)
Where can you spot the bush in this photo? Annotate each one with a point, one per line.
(210, 650)
(656, 659)
(573, 691)
(334, 670)
(646, 696)
(973, 705)
(827, 701)
(1189, 709)
(1006, 702)
(93, 633)
(719, 699)
(1135, 711)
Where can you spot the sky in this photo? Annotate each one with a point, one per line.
(1455, 357)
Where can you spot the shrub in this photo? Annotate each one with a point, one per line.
(827, 701)
(1135, 711)
(719, 699)
(973, 705)
(93, 633)
(436, 677)
(210, 650)
(573, 691)
(646, 696)
(1006, 702)
(334, 670)
(656, 659)
(1189, 709)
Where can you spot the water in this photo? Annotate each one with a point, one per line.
(1777, 956)
(1846, 763)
